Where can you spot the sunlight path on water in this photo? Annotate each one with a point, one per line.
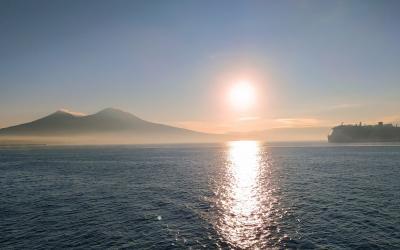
(245, 203)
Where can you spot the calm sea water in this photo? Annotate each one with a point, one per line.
(235, 195)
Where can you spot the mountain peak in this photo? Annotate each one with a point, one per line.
(107, 125)
(68, 112)
(111, 110)
(116, 113)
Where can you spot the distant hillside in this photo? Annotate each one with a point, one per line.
(286, 134)
(107, 126)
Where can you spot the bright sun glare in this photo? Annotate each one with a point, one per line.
(242, 95)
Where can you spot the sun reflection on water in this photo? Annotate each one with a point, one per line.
(245, 199)
(244, 164)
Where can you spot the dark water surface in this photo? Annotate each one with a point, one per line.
(235, 195)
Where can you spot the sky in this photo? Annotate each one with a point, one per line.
(311, 63)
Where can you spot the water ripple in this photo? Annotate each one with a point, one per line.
(242, 195)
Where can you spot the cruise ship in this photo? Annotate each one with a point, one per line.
(365, 133)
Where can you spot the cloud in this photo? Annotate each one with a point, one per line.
(249, 118)
(249, 124)
(335, 109)
(344, 106)
(298, 122)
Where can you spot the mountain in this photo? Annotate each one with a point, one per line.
(107, 126)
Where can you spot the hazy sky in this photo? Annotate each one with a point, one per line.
(313, 63)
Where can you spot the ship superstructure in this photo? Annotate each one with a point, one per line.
(365, 133)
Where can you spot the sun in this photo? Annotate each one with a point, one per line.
(242, 95)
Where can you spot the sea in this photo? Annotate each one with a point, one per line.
(234, 195)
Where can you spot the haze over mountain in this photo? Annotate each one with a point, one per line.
(106, 126)
(114, 126)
